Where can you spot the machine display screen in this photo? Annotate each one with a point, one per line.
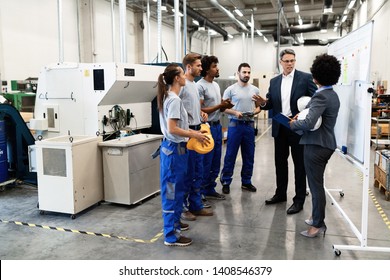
(129, 72)
(98, 79)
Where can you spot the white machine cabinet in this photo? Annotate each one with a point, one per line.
(70, 173)
(130, 173)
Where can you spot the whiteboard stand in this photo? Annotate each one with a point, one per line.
(365, 168)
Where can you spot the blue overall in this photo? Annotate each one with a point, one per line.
(212, 160)
(193, 201)
(240, 134)
(173, 173)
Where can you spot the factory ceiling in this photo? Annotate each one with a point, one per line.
(313, 15)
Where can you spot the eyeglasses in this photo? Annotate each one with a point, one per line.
(288, 61)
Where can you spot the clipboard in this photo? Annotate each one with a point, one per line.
(285, 121)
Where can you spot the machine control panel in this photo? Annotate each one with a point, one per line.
(130, 72)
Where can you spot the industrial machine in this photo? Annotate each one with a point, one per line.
(86, 99)
(94, 100)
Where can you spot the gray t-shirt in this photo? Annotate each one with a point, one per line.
(241, 97)
(211, 94)
(190, 97)
(173, 109)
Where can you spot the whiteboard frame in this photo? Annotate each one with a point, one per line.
(365, 168)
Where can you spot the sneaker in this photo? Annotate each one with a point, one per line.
(203, 212)
(216, 196)
(206, 204)
(181, 242)
(249, 187)
(188, 216)
(226, 189)
(184, 227)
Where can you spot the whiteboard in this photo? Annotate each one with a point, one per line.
(354, 53)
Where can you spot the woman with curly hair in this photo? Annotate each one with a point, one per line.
(319, 144)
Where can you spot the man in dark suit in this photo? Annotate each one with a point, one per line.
(283, 93)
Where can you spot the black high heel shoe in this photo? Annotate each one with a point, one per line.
(320, 230)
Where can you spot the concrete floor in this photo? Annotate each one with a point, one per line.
(243, 227)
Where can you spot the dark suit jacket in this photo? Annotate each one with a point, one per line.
(302, 85)
(324, 103)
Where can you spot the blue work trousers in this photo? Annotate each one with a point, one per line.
(193, 198)
(212, 161)
(173, 172)
(240, 134)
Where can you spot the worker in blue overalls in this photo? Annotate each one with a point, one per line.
(212, 104)
(173, 152)
(241, 131)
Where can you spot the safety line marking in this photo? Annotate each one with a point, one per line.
(376, 203)
(379, 209)
(154, 239)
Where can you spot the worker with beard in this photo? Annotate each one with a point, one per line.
(241, 130)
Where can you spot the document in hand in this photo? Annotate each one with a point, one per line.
(284, 120)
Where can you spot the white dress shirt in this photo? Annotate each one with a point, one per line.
(287, 81)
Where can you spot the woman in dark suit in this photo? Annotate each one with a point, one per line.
(319, 144)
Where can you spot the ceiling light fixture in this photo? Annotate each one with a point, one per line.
(351, 4)
(238, 12)
(328, 10)
(179, 13)
(300, 21)
(195, 22)
(265, 39)
(259, 32)
(344, 19)
(296, 7)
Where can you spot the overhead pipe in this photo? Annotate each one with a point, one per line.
(60, 32)
(229, 14)
(113, 30)
(122, 29)
(177, 31)
(197, 16)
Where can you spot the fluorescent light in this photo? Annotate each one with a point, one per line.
(296, 7)
(194, 21)
(344, 18)
(328, 10)
(300, 21)
(212, 32)
(179, 13)
(249, 23)
(351, 4)
(238, 12)
(259, 33)
(265, 39)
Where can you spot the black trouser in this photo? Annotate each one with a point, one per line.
(316, 158)
(283, 142)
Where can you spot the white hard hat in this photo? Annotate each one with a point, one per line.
(302, 116)
(302, 102)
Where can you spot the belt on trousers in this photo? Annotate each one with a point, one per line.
(213, 123)
(241, 121)
(195, 127)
